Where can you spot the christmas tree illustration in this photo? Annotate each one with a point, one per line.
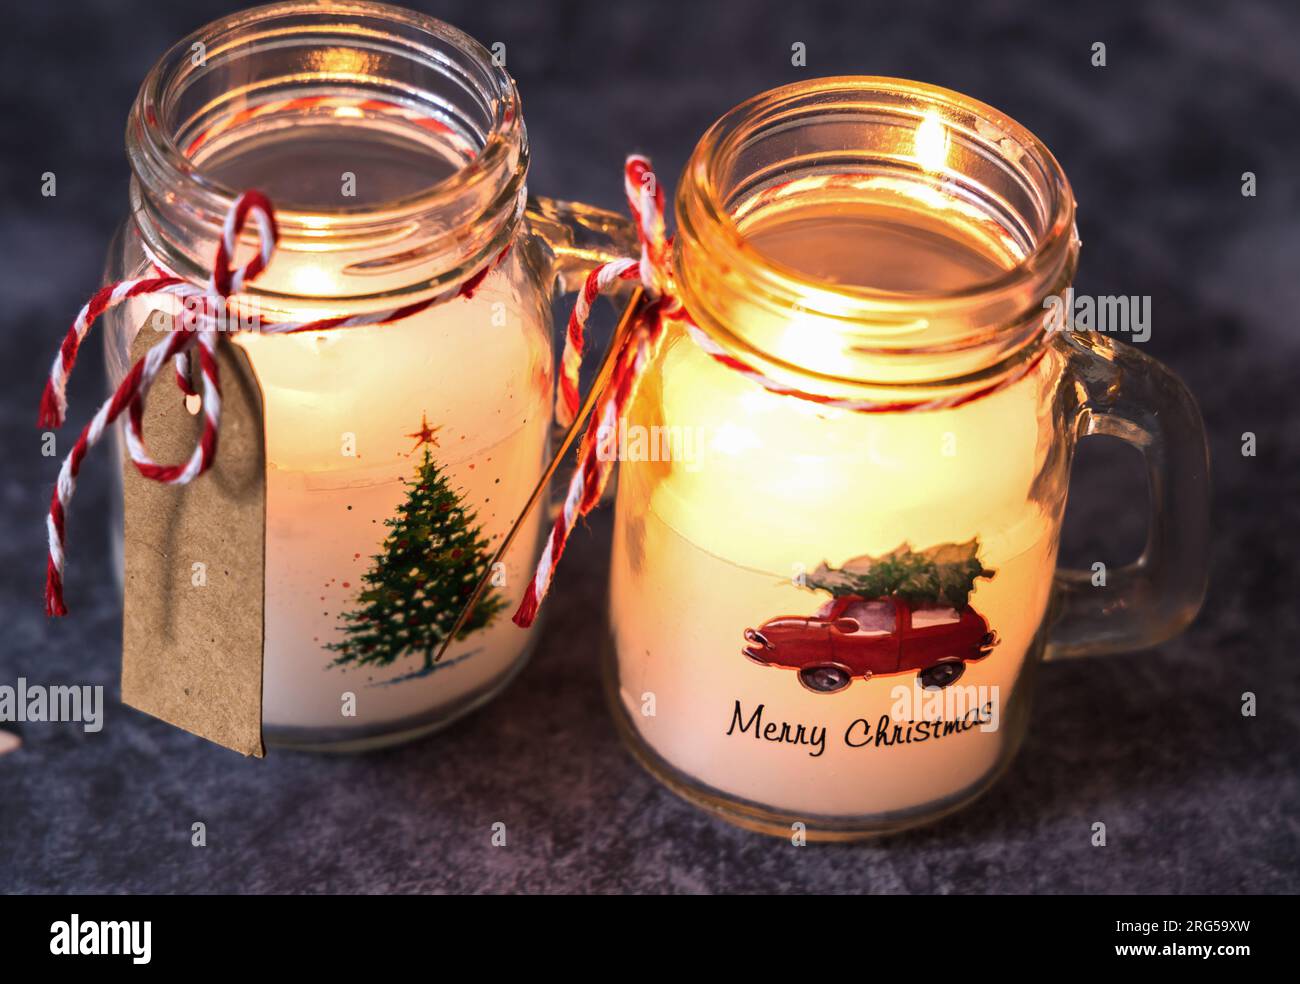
(943, 574)
(433, 556)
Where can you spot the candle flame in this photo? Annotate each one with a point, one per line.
(930, 143)
(734, 440)
(309, 280)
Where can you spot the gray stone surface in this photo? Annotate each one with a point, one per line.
(1196, 798)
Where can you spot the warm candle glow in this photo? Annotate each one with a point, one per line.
(310, 280)
(930, 146)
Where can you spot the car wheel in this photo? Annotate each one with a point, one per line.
(941, 675)
(825, 678)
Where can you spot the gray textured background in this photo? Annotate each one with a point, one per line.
(1196, 798)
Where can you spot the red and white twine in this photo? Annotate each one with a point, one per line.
(199, 327)
(595, 463)
(338, 107)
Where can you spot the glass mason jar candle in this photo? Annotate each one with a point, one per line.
(395, 153)
(830, 613)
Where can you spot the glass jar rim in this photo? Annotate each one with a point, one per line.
(494, 178)
(711, 238)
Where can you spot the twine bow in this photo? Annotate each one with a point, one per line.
(635, 350)
(199, 328)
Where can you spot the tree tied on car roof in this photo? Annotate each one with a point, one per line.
(945, 573)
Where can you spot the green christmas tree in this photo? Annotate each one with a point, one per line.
(432, 558)
(945, 573)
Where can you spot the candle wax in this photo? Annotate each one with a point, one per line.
(364, 390)
(340, 407)
(709, 547)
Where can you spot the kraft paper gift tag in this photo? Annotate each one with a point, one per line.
(192, 626)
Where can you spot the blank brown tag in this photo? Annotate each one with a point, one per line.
(192, 627)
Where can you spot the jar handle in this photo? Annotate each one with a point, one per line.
(576, 238)
(1131, 396)
(579, 238)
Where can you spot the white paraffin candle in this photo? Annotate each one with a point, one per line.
(727, 540)
(341, 408)
(343, 413)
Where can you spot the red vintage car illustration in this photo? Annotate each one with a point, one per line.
(852, 637)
